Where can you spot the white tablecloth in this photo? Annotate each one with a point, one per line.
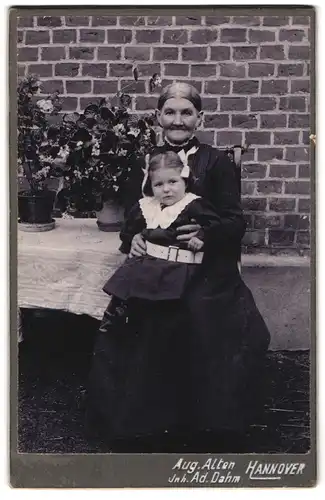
(67, 267)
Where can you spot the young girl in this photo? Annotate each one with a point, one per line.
(164, 272)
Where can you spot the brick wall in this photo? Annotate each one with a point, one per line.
(253, 74)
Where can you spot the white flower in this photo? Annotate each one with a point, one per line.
(45, 105)
(134, 131)
(79, 143)
(65, 215)
(119, 129)
(123, 152)
(64, 152)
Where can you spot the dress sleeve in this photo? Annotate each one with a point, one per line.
(229, 226)
(133, 224)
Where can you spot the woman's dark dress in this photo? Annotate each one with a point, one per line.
(191, 364)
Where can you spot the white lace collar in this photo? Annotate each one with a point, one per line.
(155, 216)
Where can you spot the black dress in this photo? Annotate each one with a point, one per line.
(191, 364)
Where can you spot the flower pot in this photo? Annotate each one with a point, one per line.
(110, 217)
(35, 210)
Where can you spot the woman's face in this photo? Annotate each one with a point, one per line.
(179, 118)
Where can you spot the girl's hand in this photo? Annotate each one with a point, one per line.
(188, 231)
(195, 244)
(138, 246)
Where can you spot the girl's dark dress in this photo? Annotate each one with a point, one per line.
(193, 363)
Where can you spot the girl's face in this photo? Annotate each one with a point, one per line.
(167, 185)
(179, 118)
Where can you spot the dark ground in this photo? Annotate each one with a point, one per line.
(53, 365)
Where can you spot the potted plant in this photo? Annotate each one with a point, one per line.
(104, 146)
(38, 158)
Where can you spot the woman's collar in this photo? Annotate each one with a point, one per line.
(186, 146)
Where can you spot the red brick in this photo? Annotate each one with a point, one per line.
(148, 69)
(51, 86)
(210, 104)
(27, 54)
(274, 52)
(291, 35)
(247, 187)
(233, 103)
(66, 69)
(216, 20)
(21, 68)
(297, 187)
(300, 86)
(273, 121)
(228, 138)
(303, 238)
(174, 37)
(283, 171)
(285, 138)
(292, 103)
(248, 220)
(217, 87)
(260, 35)
(52, 53)
(243, 121)
(64, 36)
(246, 20)
(82, 53)
(297, 154)
(104, 20)
(245, 87)
(77, 20)
(244, 53)
(275, 20)
(299, 120)
(267, 221)
(147, 36)
(42, 70)
(282, 204)
(50, 21)
(109, 53)
(253, 171)
(268, 154)
(203, 70)
(301, 20)
(188, 20)
(69, 103)
(281, 238)
(146, 103)
(299, 52)
(269, 187)
(204, 36)
(256, 70)
(254, 204)
(262, 103)
(134, 87)
(78, 86)
(220, 53)
(132, 21)
(233, 35)
(118, 70)
(305, 137)
(274, 87)
(216, 120)
(176, 69)
(194, 53)
(20, 36)
(232, 70)
(263, 138)
(290, 70)
(160, 20)
(295, 221)
(37, 37)
(137, 53)
(96, 70)
(25, 21)
(105, 87)
(304, 171)
(165, 53)
(205, 136)
(92, 35)
(87, 101)
(253, 239)
(304, 205)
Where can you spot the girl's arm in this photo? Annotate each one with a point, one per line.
(133, 224)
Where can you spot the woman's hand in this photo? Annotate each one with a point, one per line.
(195, 244)
(138, 246)
(188, 231)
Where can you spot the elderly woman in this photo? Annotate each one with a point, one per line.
(201, 375)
